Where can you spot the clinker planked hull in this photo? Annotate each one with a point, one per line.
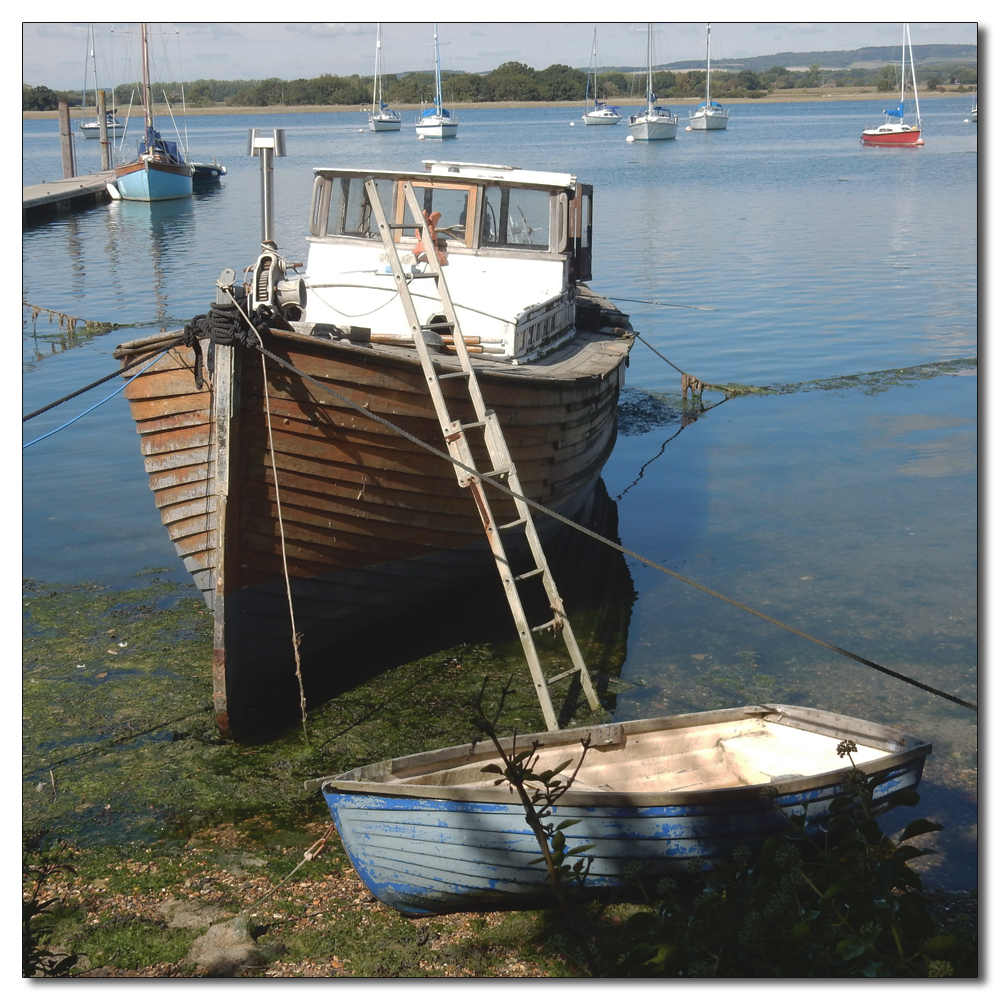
(372, 524)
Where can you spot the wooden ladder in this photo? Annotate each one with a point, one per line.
(503, 468)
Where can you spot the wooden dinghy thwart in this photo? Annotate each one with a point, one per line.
(371, 524)
(431, 833)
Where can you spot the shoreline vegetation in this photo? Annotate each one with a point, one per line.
(799, 96)
(153, 849)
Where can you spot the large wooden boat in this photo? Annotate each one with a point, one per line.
(433, 833)
(370, 524)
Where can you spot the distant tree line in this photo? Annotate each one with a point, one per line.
(513, 81)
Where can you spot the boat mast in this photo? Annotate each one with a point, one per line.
(592, 73)
(377, 84)
(649, 67)
(913, 71)
(437, 72)
(93, 56)
(708, 65)
(147, 106)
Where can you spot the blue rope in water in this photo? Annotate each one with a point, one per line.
(121, 388)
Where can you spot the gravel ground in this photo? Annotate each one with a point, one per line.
(307, 902)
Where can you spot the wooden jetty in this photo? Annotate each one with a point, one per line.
(70, 193)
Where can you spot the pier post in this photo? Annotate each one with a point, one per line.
(66, 141)
(102, 119)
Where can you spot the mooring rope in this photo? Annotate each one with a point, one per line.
(121, 388)
(87, 388)
(606, 541)
(296, 634)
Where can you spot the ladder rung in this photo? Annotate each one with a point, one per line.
(469, 427)
(559, 677)
(511, 524)
(494, 474)
(530, 573)
(454, 374)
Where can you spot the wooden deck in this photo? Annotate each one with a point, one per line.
(70, 193)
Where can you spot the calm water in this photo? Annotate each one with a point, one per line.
(847, 512)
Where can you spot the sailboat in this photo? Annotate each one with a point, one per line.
(381, 118)
(600, 113)
(895, 130)
(92, 129)
(159, 172)
(654, 122)
(711, 114)
(437, 122)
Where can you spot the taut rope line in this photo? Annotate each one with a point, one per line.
(620, 548)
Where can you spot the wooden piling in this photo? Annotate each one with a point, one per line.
(66, 140)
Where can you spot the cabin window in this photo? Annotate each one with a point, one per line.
(515, 217)
(350, 213)
(456, 205)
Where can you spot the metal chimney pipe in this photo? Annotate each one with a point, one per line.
(266, 147)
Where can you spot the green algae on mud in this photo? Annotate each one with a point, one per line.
(126, 779)
(119, 737)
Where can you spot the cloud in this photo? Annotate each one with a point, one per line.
(329, 29)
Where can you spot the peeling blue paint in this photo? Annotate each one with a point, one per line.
(427, 855)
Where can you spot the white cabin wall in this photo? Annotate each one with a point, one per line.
(498, 286)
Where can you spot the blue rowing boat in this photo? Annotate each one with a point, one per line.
(432, 833)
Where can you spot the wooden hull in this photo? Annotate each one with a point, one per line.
(430, 833)
(148, 180)
(372, 525)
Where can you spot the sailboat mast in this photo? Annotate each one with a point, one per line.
(437, 72)
(913, 72)
(592, 73)
(377, 83)
(147, 106)
(93, 56)
(708, 64)
(649, 67)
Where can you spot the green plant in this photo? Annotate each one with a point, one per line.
(539, 791)
(842, 904)
(36, 958)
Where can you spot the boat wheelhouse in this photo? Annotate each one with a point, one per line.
(515, 241)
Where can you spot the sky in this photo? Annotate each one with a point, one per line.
(55, 53)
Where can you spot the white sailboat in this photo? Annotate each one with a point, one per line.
(711, 114)
(437, 122)
(92, 129)
(896, 130)
(600, 113)
(655, 122)
(381, 118)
